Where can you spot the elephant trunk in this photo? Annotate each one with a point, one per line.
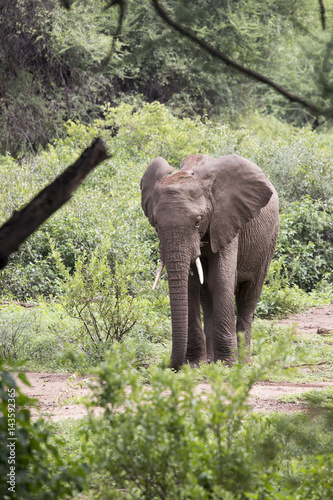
(178, 266)
(178, 290)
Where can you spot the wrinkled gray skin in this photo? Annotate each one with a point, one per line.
(225, 211)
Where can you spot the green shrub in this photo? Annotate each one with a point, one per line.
(107, 207)
(17, 327)
(30, 452)
(167, 443)
(314, 398)
(279, 296)
(306, 242)
(104, 299)
(164, 440)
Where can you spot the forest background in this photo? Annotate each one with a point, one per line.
(118, 70)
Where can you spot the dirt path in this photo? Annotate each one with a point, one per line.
(317, 320)
(60, 395)
(59, 401)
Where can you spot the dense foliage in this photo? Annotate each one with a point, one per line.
(161, 439)
(73, 61)
(182, 445)
(31, 463)
(107, 208)
(156, 437)
(305, 242)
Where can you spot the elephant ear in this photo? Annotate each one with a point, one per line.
(239, 191)
(155, 171)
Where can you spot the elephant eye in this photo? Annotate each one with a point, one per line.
(198, 221)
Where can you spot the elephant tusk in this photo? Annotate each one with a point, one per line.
(158, 275)
(199, 268)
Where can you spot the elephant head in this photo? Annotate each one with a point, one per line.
(207, 201)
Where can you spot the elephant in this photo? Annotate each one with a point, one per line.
(217, 221)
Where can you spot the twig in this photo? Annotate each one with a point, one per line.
(307, 364)
(22, 304)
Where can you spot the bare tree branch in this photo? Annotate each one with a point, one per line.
(27, 220)
(122, 10)
(66, 4)
(322, 14)
(313, 108)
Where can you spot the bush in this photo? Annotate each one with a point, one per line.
(32, 454)
(168, 443)
(104, 298)
(306, 242)
(163, 440)
(280, 296)
(107, 207)
(40, 338)
(17, 327)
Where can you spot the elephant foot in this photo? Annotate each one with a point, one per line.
(247, 360)
(234, 359)
(196, 358)
(228, 361)
(192, 363)
(196, 364)
(175, 366)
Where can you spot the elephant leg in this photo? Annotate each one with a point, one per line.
(196, 345)
(224, 330)
(207, 308)
(222, 278)
(247, 297)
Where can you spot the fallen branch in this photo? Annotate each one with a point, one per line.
(26, 221)
(22, 304)
(307, 364)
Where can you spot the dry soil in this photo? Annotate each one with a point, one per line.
(60, 395)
